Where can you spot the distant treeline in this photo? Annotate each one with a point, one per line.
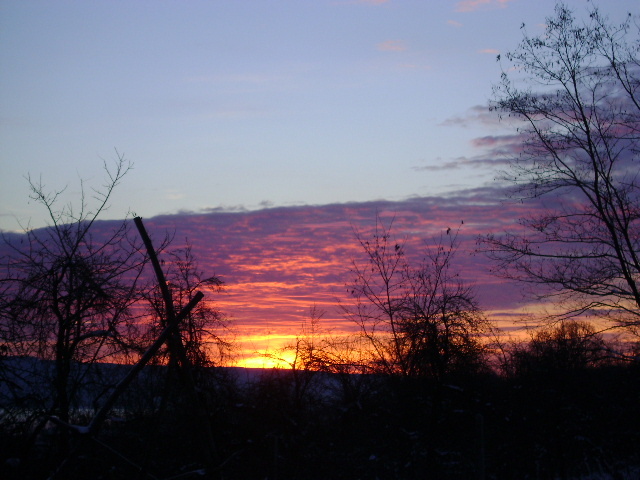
(536, 419)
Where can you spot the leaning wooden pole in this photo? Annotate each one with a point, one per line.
(174, 342)
(170, 335)
(101, 415)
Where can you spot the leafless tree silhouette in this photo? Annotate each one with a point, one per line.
(420, 320)
(580, 114)
(68, 294)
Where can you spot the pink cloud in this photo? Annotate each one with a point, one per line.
(473, 5)
(362, 2)
(454, 23)
(278, 262)
(392, 46)
(491, 51)
(478, 115)
(495, 152)
(513, 141)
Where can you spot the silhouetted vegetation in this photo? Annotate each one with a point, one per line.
(71, 300)
(578, 110)
(67, 296)
(418, 318)
(545, 420)
(109, 372)
(561, 405)
(200, 329)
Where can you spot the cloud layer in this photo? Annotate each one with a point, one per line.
(279, 262)
(473, 5)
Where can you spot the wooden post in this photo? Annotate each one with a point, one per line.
(174, 342)
(100, 416)
(171, 335)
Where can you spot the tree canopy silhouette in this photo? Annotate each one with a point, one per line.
(575, 89)
(420, 318)
(67, 294)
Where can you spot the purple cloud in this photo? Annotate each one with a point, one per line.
(278, 262)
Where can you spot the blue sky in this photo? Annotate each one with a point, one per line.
(246, 104)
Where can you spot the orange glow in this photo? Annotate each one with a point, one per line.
(267, 361)
(278, 263)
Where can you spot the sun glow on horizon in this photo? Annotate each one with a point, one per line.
(263, 361)
(265, 350)
(277, 267)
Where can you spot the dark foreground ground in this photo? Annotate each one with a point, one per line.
(582, 424)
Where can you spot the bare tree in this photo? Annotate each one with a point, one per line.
(200, 329)
(67, 293)
(567, 346)
(420, 320)
(575, 88)
(302, 360)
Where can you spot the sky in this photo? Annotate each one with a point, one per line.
(279, 263)
(248, 104)
(266, 125)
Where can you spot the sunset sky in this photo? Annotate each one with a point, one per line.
(266, 130)
(278, 263)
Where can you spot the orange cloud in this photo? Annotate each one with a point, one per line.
(279, 262)
(491, 51)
